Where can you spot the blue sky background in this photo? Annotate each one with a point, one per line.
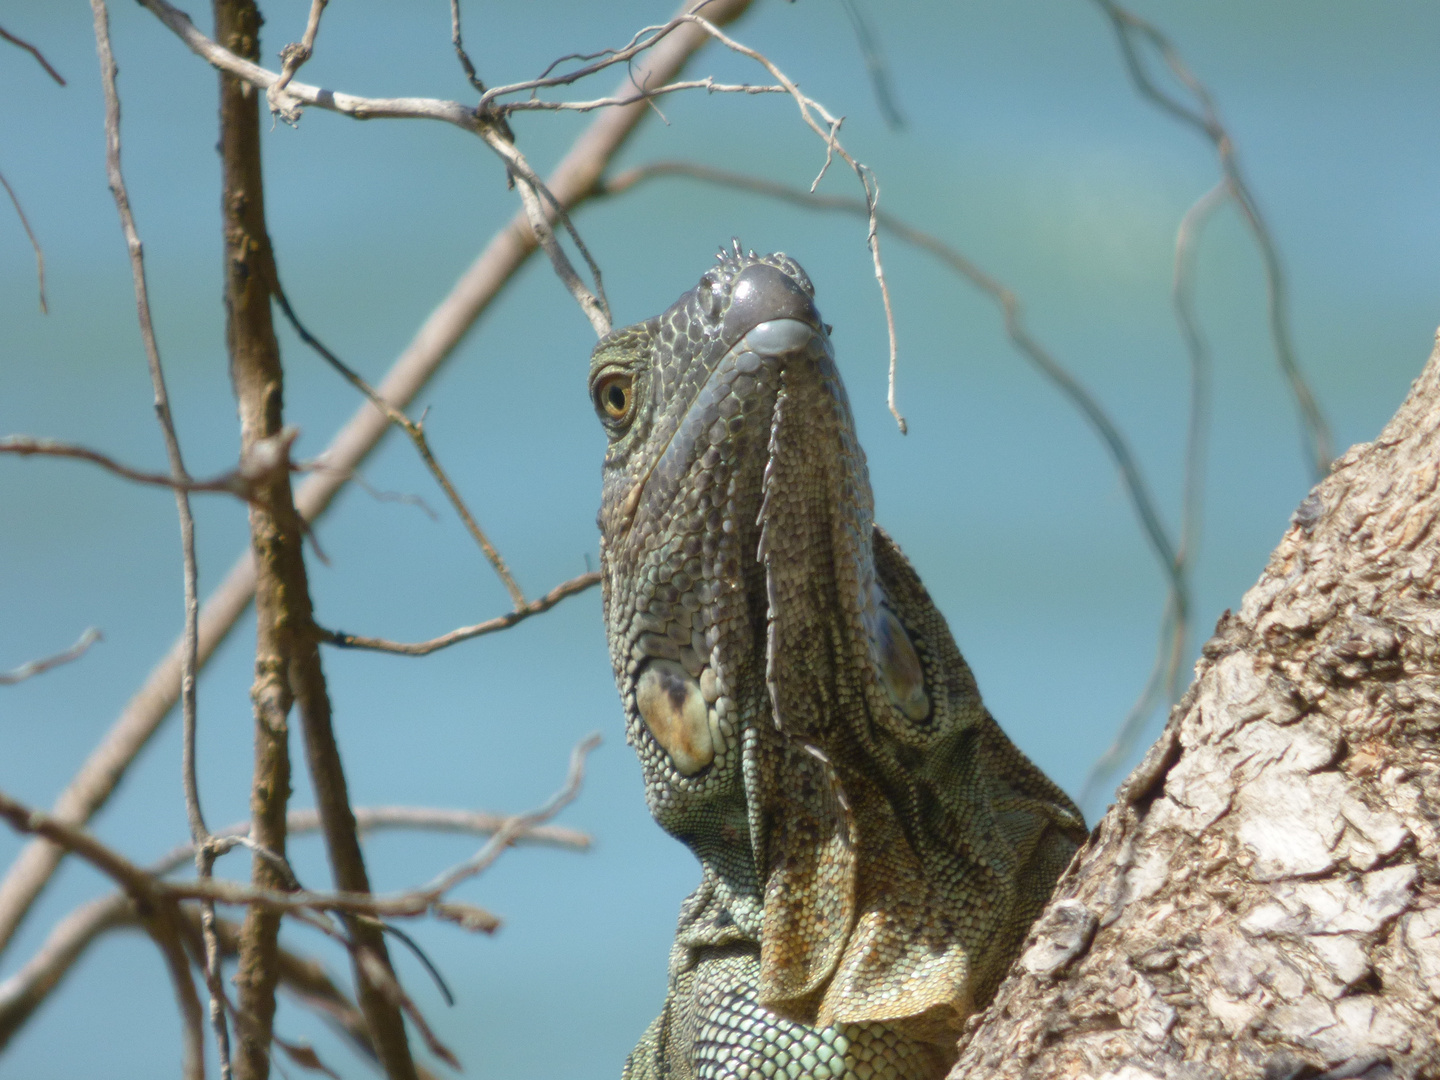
(1025, 146)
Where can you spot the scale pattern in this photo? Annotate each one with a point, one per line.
(872, 847)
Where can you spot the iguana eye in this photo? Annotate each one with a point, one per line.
(615, 397)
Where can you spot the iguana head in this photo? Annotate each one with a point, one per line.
(688, 400)
(803, 718)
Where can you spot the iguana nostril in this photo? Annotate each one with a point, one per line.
(673, 708)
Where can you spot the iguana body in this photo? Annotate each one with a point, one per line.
(873, 847)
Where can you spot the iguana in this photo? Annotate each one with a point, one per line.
(873, 848)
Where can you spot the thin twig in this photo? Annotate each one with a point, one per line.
(199, 834)
(875, 65)
(1206, 119)
(28, 987)
(572, 182)
(707, 84)
(32, 668)
(596, 308)
(264, 459)
(1138, 490)
(34, 241)
(33, 51)
(416, 431)
(1162, 684)
(150, 889)
(468, 66)
(464, 633)
(518, 825)
(532, 190)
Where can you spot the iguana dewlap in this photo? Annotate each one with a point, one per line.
(873, 848)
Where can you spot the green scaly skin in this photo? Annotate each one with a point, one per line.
(872, 847)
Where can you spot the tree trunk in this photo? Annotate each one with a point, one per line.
(1263, 900)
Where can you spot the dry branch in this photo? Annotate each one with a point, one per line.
(572, 182)
(33, 51)
(1131, 29)
(258, 462)
(178, 477)
(464, 633)
(26, 989)
(30, 234)
(415, 429)
(32, 668)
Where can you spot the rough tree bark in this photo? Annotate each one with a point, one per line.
(1263, 900)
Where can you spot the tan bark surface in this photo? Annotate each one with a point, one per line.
(1264, 898)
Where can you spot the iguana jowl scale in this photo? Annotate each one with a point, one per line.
(873, 848)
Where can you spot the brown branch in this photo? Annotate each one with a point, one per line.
(33, 51)
(29, 232)
(204, 859)
(464, 633)
(479, 121)
(28, 987)
(258, 462)
(573, 181)
(286, 659)
(1128, 27)
(152, 891)
(518, 825)
(1136, 488)
(416, 431)
(35, 667)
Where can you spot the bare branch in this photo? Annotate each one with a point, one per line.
(531, 188)
(596, 309)
(293, 56)
(154, 892)
(518, 825)
(1130, 28)
(707, 84)
(1136, 488)
(29, 232)
(28, 987)
(361, 108)
(260, 461)
(875, 65)
(464, 633)
(416, 431)
(204, 859)
(573, 181)
(35, 667)
(33, 51)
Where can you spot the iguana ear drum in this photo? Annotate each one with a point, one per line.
(673, 708)
(900, 668)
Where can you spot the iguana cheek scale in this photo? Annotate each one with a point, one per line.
(872, 847)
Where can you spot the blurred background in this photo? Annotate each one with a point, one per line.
(1024, 145)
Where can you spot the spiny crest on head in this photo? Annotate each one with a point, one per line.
(723, 256)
